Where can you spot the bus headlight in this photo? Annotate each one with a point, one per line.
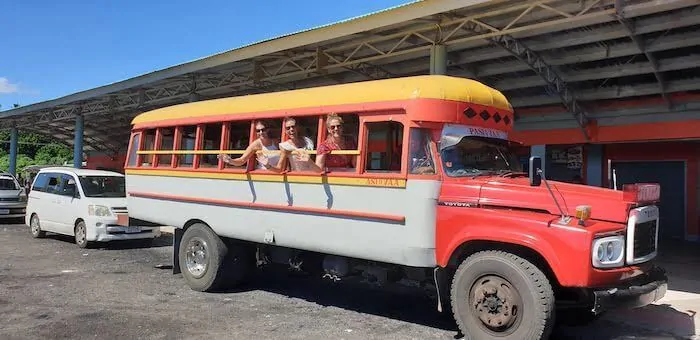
(98, 210)
(608, 252)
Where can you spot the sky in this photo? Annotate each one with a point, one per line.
(50, 49)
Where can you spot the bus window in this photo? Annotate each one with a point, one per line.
(187, 142)
(133, 149)
(149, 139)
(304, 131)
(211, 140)
(238, 139)
(167, 140)
(421, 160)
(384, 144)
(339, 133)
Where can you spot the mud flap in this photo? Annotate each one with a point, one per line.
(441, 278)
(177, 238)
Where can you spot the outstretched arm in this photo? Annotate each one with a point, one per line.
(249, 151)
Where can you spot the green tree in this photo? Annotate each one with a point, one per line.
(53, 154)
(33, 149)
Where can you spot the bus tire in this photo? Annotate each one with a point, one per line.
(206, 261)
(496, 294)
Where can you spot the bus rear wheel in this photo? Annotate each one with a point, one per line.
(208, 263)
(499, 295)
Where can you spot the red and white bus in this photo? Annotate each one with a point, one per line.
(399, 179)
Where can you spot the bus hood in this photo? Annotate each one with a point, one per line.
(606, 204)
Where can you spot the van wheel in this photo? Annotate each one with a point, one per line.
(208, 263)
(500, 295)
(35, 227)
(81, 235)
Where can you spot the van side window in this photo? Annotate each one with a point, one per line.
(384, 146)
(68, 187)
(54, 184)
(421, 160)
(41, 181)
(187, 142)
(133, 149)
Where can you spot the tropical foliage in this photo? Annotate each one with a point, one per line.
(33, 149)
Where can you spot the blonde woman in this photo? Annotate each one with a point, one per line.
(336, 140)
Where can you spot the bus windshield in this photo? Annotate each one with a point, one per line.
(478, 156)
(103, 186)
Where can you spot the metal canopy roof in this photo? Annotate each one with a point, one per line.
(565, 53)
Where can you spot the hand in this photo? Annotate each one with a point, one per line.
(225, 158)
(301, 155)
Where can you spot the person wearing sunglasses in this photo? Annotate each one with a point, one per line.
(294, 149)
(336, 140)
(259, 147)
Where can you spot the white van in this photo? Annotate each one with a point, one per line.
(87, 204)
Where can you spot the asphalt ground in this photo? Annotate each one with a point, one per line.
(51, 289)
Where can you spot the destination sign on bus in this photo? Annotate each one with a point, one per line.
(468, 130)
(453, 133)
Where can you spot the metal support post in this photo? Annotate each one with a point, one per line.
(438, 59)
(594, 165)
(78, 142)
(13, 151)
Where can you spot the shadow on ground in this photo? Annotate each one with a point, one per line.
(417, 306)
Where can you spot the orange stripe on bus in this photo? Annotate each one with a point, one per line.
(265, 206)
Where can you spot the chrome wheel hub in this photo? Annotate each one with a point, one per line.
(197, 257)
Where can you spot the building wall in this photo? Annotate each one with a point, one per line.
(106, 162)
(660, 151)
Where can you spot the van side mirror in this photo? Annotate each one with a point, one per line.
(534, 171)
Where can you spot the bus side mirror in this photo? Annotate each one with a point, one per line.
(535, 167)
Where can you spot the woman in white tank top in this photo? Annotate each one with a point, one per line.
(258, 147)
(268, 159)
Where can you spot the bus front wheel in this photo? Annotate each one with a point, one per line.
(496, 294)
(208, 263)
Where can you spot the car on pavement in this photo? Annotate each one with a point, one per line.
(89, 205)
(13, 199)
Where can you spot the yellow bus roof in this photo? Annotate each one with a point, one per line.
(393, 89)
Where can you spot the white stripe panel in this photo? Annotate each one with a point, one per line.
(412, 243)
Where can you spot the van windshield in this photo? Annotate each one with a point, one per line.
(103, 186)
(478, 156)
(8, 184)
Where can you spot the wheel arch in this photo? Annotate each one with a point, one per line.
(470, 247)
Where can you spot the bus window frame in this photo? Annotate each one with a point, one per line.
(159, 143)
(193, 152)
(225, 134)
(385, 115)
(156, 146)
(130, 148)
(140, 158)
(382, 117)
(200, 150)
(435, 129)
